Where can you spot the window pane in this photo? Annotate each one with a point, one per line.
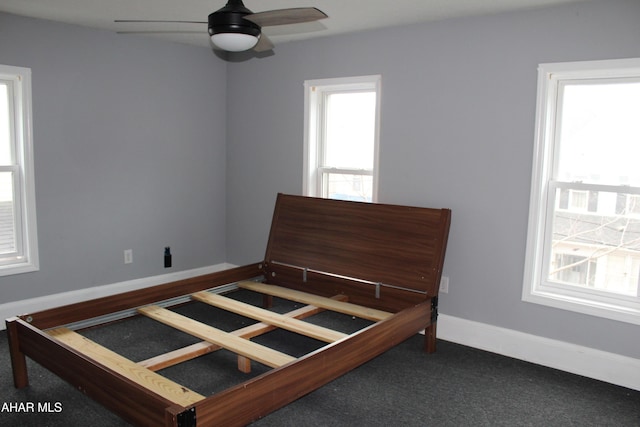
(350, 130)
(7, 215)
(344, 186)
(5, 136)
(578, 200)
(18, 234)
(600, 133)
(599, 249)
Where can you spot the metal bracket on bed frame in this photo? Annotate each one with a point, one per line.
(434, 309)
(187, 418)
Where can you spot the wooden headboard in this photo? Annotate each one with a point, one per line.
(383, 256)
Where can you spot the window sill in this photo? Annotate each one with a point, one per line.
(18, 268)
(629, 313)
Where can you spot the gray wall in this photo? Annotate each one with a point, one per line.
(129, 137)
(458, 112)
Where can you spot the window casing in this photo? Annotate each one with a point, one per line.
(583, 243)
(18, 234)
(341, 138)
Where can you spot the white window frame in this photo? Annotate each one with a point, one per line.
(25, 258)
(314, 91)
(543, 188)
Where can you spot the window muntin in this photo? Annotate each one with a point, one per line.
(341, 138)
(18, 241)
(583, 247)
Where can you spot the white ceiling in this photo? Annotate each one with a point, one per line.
(344, 15)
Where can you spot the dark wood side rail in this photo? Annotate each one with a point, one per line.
(105, 386)
(256, 398)
(128, 300)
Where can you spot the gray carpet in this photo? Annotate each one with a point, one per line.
(456, 386)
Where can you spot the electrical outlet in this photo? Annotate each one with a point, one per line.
(444, 284)
(128, 256)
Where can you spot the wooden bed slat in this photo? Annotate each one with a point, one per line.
(266, 316)
(327, 303)
(241, 346)
(158, 384)
(195, 350)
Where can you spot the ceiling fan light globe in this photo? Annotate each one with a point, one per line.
(234, 42)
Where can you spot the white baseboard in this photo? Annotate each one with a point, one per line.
(588, 362)
(56, 300)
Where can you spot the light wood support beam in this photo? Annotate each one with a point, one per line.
(158, 384)
(224, 339)
(318, 301)
(195, 350)
(180, 355)
(266, 316)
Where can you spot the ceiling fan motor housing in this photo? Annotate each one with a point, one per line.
(230, 19)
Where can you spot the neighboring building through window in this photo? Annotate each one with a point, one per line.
(341, 138)
(583, 247)
(18, 235)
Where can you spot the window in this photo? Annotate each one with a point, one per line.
(18, 241)
(341, 138)
(583, 245)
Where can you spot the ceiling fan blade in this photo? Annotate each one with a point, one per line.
(160, 32)
(294, 15)
(160, 20)
(264, 44)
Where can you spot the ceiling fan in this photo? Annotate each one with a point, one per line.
(235, 28)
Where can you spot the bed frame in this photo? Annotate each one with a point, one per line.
(376, 261)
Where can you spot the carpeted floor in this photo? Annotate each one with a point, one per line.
(456, 386)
